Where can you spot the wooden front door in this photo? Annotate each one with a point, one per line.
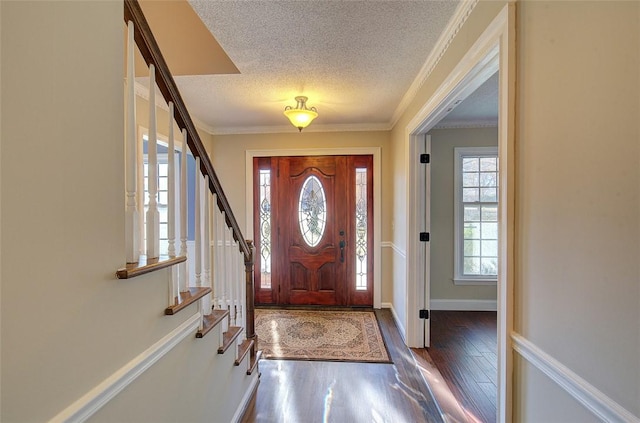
(316, 250)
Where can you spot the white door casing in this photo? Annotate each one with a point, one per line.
(493, 51)
(424, 220)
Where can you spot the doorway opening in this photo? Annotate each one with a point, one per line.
(493, 52)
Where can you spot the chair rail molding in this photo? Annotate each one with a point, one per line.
(96, 398)
(586, 394)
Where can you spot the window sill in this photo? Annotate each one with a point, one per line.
(478, 282)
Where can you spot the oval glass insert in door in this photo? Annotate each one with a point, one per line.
(312, 211)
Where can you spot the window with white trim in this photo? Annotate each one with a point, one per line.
(476, 215)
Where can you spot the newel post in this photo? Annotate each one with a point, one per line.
(250, 293)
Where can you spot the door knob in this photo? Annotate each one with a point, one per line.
(342, 244)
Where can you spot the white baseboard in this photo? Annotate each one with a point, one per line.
(242, 407)
(464, 305)
(96, 398)
(586, 394)
(396, 319)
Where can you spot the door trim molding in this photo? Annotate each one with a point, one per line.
(493, 50)
(377, 191)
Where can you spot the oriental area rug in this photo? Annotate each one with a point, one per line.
(320, 335)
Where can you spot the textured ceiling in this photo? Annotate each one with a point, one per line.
(355, 60)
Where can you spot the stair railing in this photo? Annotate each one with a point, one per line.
(222, 262)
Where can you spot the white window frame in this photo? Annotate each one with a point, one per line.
(458, 277)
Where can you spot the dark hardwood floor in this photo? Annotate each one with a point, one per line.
(315, 391)
(463, 348)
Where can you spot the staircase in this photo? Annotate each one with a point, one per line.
(210, 265)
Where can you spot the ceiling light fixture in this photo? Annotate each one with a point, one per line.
(301, 116)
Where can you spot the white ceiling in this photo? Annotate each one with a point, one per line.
(355, 60)
(479, 109)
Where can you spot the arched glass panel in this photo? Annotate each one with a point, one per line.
(312, 211)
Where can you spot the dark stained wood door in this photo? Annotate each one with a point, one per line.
(312, 242)
(312, 226)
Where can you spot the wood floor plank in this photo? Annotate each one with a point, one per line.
(316, 391)
(463, 348)
(487, 368)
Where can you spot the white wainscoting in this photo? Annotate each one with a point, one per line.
(389, 244)
(586, 394)
(97, 397)
(244, 404)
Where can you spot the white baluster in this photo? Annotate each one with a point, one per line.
(206, 309)
(223, 262)
(132, 228)
(222, 296)
(153, 216)
(184, 268)
(214, 251)
(229, 268)
(201, 306)
(171, 210)
(242, 286)
(236, 287)
(171, 189)
(198, 224)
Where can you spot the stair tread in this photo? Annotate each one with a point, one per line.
(243, 350)
(210, 321)
(145, 265)
(186, 298)
(254, 363)
(228, 337)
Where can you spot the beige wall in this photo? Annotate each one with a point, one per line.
(577, 286)
(229, 157)
(67, 322)
(443, 141)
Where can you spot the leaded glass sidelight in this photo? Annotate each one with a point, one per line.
(312, 211)
(361, 229)
(265, 228)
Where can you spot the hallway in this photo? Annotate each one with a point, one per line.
(309, 392)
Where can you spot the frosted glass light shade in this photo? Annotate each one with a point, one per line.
(301, 116)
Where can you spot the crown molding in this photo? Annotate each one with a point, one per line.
(143, 92)
(460, 16)
(279, 129)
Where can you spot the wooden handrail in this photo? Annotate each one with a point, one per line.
(151, 53)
